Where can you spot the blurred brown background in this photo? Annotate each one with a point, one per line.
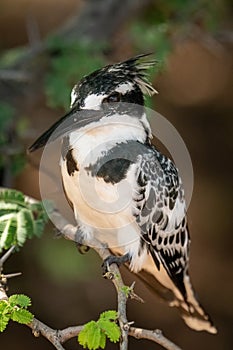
(195, 95)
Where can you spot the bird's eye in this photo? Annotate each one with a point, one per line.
(114, 97)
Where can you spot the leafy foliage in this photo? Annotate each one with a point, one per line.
(163, 21)
(20, 300)
(15, 309)
(70, 61)
(19, 219)
(94, 334)
(12, 153)
(11, 56)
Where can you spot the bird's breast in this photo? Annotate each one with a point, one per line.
(105, 208)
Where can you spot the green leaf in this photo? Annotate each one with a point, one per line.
(22, 226)
(107, 324)
(19, 219)
(4, 320)
(27, 224)
(109, 315)
(19, 300)
(7, 207)
(82, 338)
(22, 316)
(102, 342)
(12, 196)
(94, 338)
(93, 334)
(7, 238)
(15, 308)
(111, 329)
(3, 305)
(126, 290)
(4, 315)
(90, 337)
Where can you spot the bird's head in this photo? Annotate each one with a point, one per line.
(121, 82)
(113, 89)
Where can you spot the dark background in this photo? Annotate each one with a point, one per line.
(195, 95)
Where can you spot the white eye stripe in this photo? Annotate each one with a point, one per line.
(93, 101)
(124, 88)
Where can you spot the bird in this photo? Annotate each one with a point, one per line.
(122, 189)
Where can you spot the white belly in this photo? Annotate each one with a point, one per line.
(103, 210)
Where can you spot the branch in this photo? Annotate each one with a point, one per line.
(155, 336)
(70, 232)
(58, 337)
(4, 278)
(50, 334)
(97, 20)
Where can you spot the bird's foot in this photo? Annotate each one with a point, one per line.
(82, 248)
(79, 242)
(112, 259)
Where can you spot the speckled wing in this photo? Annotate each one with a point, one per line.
(160, 214)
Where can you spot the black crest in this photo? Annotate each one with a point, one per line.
(105, 80)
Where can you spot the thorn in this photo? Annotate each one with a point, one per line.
(133, 295)
(36, 333)
(127, 325)
(132, 285)
(136, 297)
(158, 332)
(11, 275)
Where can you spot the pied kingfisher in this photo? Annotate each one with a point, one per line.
(122, 190)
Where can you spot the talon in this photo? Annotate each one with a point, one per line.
(80, 242)
(108, 275)
(36, 331)
(83, 249)
(112, 259)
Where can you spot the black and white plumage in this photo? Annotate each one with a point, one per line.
(106, 144)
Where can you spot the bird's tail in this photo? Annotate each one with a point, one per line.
(193, 313)
(190, 309)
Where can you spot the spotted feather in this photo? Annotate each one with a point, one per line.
(161, 216)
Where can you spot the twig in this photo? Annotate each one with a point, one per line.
(6, 255)
(4, 278)
(115, 277)
(58, 337)
(154, 335)
(70, 232)
(52, 335)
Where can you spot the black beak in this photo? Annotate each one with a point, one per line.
(73, 120)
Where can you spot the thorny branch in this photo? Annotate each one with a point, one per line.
(58, 337)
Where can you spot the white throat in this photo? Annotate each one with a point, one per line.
(95, 139)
